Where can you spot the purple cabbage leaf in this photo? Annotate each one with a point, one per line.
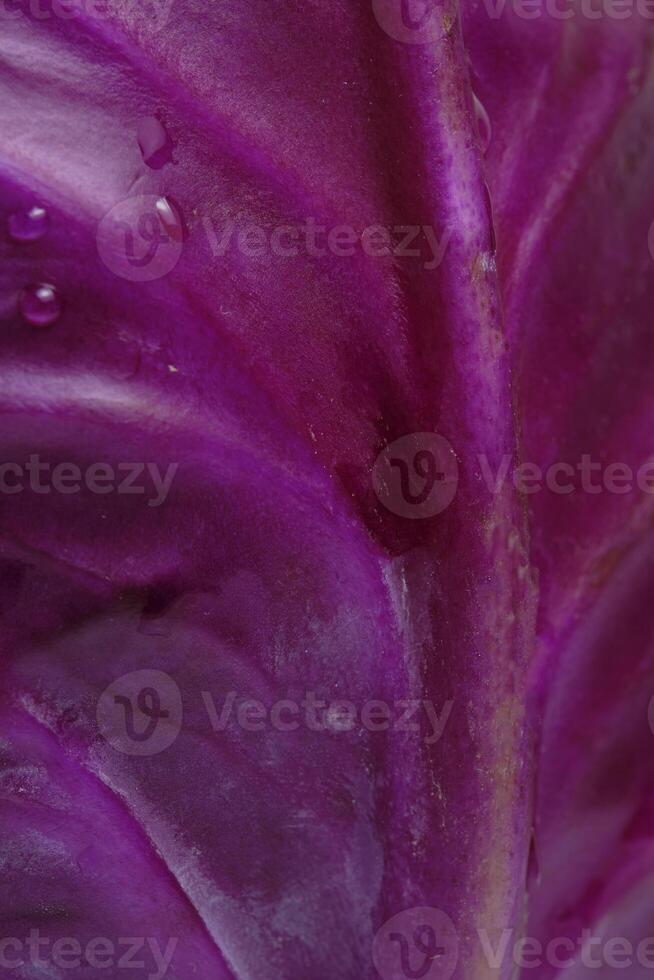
(254, 389)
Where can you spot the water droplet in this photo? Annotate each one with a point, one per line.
(28, 225)
(170, 218)
(154, 142)
(483, 124)
(40, 305)
(491, 218)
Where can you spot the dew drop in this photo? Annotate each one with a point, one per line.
(39, 304)
(28, 225)
(491, 218)
(154, 142)
(483, 124)
(170, 218)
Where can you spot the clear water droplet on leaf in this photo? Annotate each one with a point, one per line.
(491, 218)
(154, 142)
(39, 304)
(483, 124)
(28, 225)
(170, 218)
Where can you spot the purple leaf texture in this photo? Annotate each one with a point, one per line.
(326, 489)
